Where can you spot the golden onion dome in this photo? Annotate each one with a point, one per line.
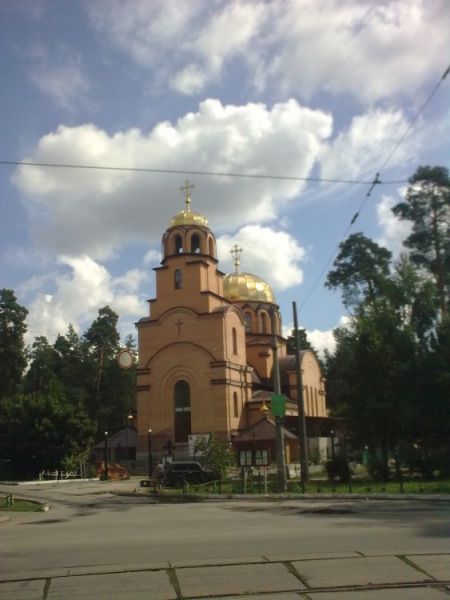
(246, 286)
(186, 216)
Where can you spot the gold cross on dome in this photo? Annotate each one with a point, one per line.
(187, 188)
(236, 253)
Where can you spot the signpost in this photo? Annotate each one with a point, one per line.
(278, 405)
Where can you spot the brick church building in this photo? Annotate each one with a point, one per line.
(206, 352)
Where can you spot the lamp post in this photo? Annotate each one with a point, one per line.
(332, 444)
(129, 419)
(279, 435)
(301, 425)
(150, 461)
(106, 456)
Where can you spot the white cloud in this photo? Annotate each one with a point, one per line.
(371, 50)
(58, 73)
(96, 212)
(394, 230)
(272, 255)
(322, 340)
(81, 287)
(362, 148)
(64, 84)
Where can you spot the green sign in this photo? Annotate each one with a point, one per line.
(278, 405)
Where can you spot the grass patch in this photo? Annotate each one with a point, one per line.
(358, 486)
(19, 505)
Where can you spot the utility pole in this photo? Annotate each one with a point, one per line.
(301, 427)
(279, 436)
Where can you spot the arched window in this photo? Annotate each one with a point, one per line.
(248, 321)
(235, 405)
(178, 244)
(178, 279)
(211, 247)
(182, 406)
(263, 322)
(195, 244)
(234, 341)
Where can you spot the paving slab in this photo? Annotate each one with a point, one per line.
(357, 571)
(215, 562)
(33, 574)
(236, 579)
(392, 594)
(22, 590)
(311, 556)
(119, 568)
(151, 585)
(272, 596)
(437, 565)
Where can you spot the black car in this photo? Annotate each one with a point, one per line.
(190, 472)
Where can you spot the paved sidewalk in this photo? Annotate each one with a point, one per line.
(316, 577)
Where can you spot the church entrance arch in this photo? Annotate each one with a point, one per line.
(182, 406)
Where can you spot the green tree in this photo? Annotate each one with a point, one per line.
(103, 339)
(12, 349)
(360, 270)
(215, 455)
(75, 367)
(40, 377)
(305, 344)
(427, 207)
(38, 431)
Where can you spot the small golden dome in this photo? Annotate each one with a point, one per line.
(246, 286)
(186, 216)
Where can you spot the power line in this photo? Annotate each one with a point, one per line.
(376, 181)
(199, 173)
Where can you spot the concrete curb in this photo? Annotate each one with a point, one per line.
(278, 497)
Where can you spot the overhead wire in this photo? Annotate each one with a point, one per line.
(376, 181)
(198, 173)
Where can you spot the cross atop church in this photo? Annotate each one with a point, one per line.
(187, 188)
(236, 253)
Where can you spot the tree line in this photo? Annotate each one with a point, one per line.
(389, 378)
(57, 399)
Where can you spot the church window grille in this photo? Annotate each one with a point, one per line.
(235, 405)
(195, 244)
(263, 322)
(235, 349)
(248, 321)
(178, 244)
(182, 405)
(178, 279)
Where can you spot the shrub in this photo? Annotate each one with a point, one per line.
(338, 468)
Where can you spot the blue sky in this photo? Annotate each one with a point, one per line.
(300, 88)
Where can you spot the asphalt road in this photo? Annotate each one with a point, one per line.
(87, 526)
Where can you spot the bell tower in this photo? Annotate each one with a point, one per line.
(193, 376)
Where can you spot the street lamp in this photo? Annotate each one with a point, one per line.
(150, 461)
(129, 419)
(106, 455)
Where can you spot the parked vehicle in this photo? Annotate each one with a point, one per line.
(190, 472)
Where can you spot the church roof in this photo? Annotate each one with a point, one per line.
(239, 287)
(262, 430)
